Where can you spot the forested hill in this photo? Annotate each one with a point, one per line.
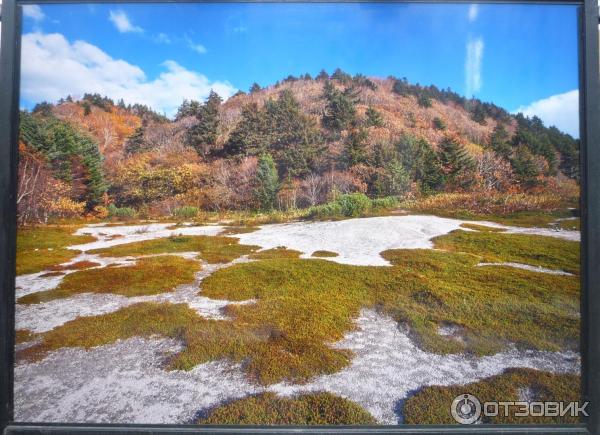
(295, 144)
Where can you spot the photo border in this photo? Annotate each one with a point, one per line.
(589, 100)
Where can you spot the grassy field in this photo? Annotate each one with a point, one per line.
(302, 306)
(308, 409)
(148, 276)
(431, 405)
(39, 248)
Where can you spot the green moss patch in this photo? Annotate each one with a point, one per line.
(38, 248)
(432, 404)
(302, 306)
(534, 250)
(279, 252)
(324, 254)
(148, 276)
(213, 249)
(308, 409)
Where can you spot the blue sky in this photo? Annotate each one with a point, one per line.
(514, 56)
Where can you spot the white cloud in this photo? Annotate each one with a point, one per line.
(198, 48)
(473, 66)
(53, 67)
(122, 22)
(473, 12)
(34, 12)
(561, 111)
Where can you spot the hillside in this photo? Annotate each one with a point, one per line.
(298, 143)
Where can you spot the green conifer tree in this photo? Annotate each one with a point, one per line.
(267, 182)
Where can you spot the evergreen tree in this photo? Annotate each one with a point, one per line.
(340, 111)
(432, 178)
(136, 142)
(283, 130)
(402, 88)
(203, 135)
(458, 166)
(525, 168)
(499, 141)
(87, 108)
(341, 76)
(293, 136)
(267, 182)
(355, 148)
(322, 76)
(374, 118)
(188, 108)
(250, 135)
(73, 156)
(255, 88)
(424, 101)
(43, 109)
(393, 181)
(439, 124)
(478, 114)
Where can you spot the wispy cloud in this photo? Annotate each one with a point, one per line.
(122, 22)
(560, 110)
(473, 62)
(198, 48)
(162, 38)
(473, 12)
(240, 29)
(34, 12)
(53, 67)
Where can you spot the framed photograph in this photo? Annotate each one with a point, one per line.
(315, 216)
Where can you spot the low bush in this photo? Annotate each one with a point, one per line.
(354, 204)
(186, 212)
(121, 212)
(383, 203)
(351, 205)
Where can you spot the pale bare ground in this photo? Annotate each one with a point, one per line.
(126, 382)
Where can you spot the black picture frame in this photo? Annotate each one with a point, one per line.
(589, 88)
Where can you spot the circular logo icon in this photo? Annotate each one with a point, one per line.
(466, 409)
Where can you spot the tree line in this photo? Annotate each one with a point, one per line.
(285, 157)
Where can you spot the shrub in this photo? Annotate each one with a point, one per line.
(387, 202)
(354, 204)
(330, 209)
(101, 212)
(439, 124)
(351, 205)
(120, 212)
(187, 212)
(424, 101)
